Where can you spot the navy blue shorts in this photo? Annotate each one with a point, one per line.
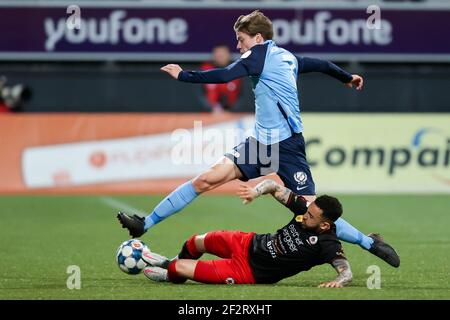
(287, 158)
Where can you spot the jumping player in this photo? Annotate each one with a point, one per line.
(278, 129)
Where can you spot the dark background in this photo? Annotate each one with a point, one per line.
(142, 87)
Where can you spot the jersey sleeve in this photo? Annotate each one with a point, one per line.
(251, 63)
(254, 59)
(306, 65)
(331, 249)
(219, 75)
(296, 203)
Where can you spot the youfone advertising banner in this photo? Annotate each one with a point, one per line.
(348, 153)
(152, 31)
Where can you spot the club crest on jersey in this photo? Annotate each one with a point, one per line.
(235, 153)
(300, 177)
(312, 240)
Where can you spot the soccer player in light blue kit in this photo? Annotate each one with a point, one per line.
(278, 144)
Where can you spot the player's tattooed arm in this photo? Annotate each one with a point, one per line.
(247, 193)
(344, 274)
(277, 191)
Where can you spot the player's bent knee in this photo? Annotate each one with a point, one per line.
(200, 242)
(200, 184)
(203, 183)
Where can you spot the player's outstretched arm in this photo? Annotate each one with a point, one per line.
(279, 192)
(306, 65)
(344, 274)
(219, 75)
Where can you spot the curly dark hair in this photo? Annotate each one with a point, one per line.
(331, 207)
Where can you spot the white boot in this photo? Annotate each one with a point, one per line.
(155, 260)
(156, 274)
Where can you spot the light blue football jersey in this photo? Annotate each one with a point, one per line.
(273, 71)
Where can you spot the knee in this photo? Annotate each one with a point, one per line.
(196, 244)
(200, 243)
(203, 183)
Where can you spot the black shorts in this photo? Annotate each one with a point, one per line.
(286, 158)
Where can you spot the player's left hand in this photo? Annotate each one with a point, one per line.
(172, 69)
(247, 193)
(331, 284)
(356, 81)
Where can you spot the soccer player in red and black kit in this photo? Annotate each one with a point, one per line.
(308, 240)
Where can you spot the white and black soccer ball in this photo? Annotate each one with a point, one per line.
(129, 256)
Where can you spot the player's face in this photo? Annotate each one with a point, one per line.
(245, 42)
(312, 218)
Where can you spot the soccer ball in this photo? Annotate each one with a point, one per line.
(129, 256)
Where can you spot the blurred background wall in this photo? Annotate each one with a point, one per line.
(408, 72)
(73, 76)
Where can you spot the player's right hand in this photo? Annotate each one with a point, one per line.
(172, 69)
(331, 284)
(247, 193)
(357, 81)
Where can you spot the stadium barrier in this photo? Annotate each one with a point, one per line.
(154, 153)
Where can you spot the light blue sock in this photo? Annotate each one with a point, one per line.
(348, 233)
(174, 202)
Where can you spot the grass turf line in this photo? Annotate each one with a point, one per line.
(40, 236)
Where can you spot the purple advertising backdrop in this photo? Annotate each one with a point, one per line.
(159, 33)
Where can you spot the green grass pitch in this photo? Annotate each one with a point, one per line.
(40, 236)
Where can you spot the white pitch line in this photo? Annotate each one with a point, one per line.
(116, 204)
